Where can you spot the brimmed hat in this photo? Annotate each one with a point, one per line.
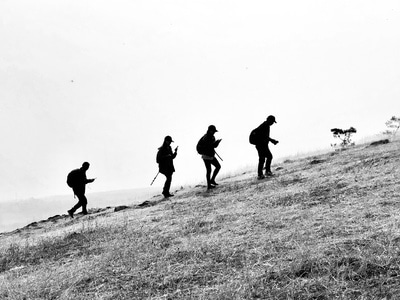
(212, 128)
(271, 118)
(168, 138)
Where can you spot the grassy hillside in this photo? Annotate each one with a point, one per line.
(326, 227)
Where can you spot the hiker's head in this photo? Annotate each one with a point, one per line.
(212, 129)
(168, 140)
(85, 166)
(271, 120)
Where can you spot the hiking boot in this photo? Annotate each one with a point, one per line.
(213, 182)
(167, 195)
(210, 187)
(260, 177)
(269, 173)
(71, 214)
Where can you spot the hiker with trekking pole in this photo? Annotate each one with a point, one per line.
(165, 158)
(206, 148)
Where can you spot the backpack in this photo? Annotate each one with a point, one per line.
(200, 146)
(254, 138)
(158, 157)
(72, 178)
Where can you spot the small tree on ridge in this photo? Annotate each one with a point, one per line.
(393, 126)
(344, 136)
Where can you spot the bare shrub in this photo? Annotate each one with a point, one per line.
(344, 136)
(393, 126)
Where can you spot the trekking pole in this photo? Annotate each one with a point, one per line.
(155, 178)
(219, 156)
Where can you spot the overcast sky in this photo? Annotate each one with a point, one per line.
(105, 81)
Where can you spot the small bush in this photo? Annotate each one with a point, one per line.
(393, 126)
(344, 136)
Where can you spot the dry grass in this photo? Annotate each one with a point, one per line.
(326, 227)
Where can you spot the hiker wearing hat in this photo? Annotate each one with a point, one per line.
(262, 141)
(206, 148)
(77, 181)
(165, 158)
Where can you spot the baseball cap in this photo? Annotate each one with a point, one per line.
(168, 138)
(272, 118)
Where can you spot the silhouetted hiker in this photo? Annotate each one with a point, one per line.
(77, 181)
(206, 147)
(260, 138)
(165, 160)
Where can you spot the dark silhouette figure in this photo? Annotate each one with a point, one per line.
(165, 158)
(206, 147)
(77, 181)
(262, 141)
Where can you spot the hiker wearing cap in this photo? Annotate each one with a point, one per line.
(206, 148)
(165, 158)
(77, 181)
(262, 141)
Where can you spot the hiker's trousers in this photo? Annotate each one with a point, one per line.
(264, 156)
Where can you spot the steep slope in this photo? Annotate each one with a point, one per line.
(324, 227)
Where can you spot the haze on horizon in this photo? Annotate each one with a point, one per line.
(104, 82)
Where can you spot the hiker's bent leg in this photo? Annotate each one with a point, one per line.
(84, 204)
(207, 163)
(261, 160)
(217, 166)
(81, 203)
(77, 192)
(269, 161)
(167, 184)
(76, 206)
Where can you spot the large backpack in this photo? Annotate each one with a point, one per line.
(254, 137)
(200, 147)
(72, 178)
(158, 158)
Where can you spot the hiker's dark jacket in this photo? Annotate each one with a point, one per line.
(80, 181)
(209, 144)
(165, 159)
(263, 134)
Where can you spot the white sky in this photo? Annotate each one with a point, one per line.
(105, 81)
